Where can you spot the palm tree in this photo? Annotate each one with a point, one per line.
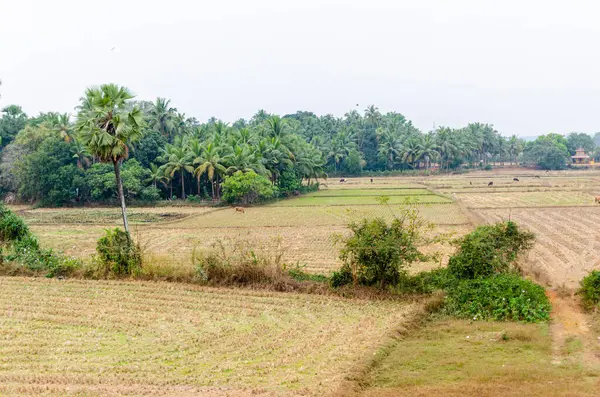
(107, 129)
(276, 127)
(445, 141)
(177, 161)
(410, 151)
(157, 175)
(162, 117)
(81, 153)
(372, 115)
(428, 150)
(210, 164)
(389, 146)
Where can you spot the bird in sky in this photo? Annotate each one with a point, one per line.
(112, 49)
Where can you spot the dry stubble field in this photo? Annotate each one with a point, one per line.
(302, 227)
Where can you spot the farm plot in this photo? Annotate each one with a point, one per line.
(108, 216)
(323, 199)
(567, 241)
(526, 199)
(98, 338)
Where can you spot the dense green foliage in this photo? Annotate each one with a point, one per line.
(590, 291)
(377, 253)
(548, 152)
(21, 248)
(118, 254)
(247, 188)
(505, 297)
(488, 250)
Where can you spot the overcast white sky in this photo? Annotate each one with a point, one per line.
(529, 66)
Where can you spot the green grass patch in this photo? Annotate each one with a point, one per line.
(359, 200)
(447, 353)
(369, 192)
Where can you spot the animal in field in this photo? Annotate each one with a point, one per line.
(491, 184)
(597, 199)
(342, 180)
(470, 183)
(240, 209)
(371, 180)
(515, 179)
(537, 176)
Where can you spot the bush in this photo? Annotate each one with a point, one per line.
(427, 282)
(289, 182)
(194, 199)
(502, 297)
(341, 277)
(150, 194)
(590, 290)
(488, 250)
(12, 227)
(247, 188)
(488, 167)
(118, 254)
(378, 253)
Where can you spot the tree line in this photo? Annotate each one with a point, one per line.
(52, 158)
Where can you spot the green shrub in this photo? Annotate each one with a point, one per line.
(488, 167)
(488, 250)
(427, 282)
(341, 277)
(378, 253)
(247, 188)
(150, 194)
(194, 199)
(12, 227)
(505, 297)
(590, 290)
(118, 254)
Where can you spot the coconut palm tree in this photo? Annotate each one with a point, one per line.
(107, 129)
(157, 175)
(428, 150)
(81, 153)
(389, 147)
(211, 164)
(162, 117)
(177, 160)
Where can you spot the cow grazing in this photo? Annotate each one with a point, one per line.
(537, 176)
(371, 180)
(597, 199)
(240, 209)
(342, 180)
(491, 184)
(515, 179)
(470, 183)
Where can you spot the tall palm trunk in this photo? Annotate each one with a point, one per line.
(182, 186)
(198, 180)
(121, 195)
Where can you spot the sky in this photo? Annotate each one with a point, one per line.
(529, 67)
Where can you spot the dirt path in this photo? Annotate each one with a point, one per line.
(572, 338)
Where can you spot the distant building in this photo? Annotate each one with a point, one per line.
(580, 157)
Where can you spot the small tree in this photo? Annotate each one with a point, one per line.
(107, 128)
(247, 188)
(378, 253)
(488, 250)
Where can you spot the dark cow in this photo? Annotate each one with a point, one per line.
(515, 179)
(470, 183)
(537, 176)
(371, 180)
(342, 180)
(491, 184)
